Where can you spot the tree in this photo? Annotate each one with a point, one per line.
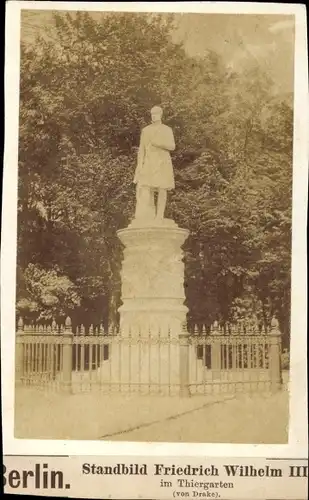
(79, 103)
(85, 95)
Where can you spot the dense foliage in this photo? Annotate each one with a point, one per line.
(84, 97)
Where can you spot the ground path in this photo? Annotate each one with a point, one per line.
(242, 418)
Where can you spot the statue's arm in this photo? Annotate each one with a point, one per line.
(140, 158)
(165, 141)
(141, 152)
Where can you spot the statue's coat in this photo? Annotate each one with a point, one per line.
(154, 164)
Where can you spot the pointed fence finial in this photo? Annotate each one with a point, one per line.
(254, 327)
(68, 324)
(54, 324)
(274, 326)
(91, 329)
(274, 322)
(68, 321)
(20, 324)
(203, 329)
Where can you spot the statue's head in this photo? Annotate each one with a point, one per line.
(156, 114)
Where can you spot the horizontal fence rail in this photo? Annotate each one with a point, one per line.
(162, 363)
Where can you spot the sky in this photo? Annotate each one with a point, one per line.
(241, 39)
(244, 39)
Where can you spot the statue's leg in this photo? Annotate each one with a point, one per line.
(162, 197)
(145, 208)
(147, 203)
(152, 207)
(138, 202)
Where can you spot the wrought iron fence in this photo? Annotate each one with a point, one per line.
(39, 359)
(223, 363)
(136, 363)
(148, 363)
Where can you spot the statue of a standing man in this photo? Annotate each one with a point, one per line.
(154, 172)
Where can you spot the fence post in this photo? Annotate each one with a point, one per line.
(184, 390)
(215, 349)
(19, 353)
(67, 354)
(275, 356)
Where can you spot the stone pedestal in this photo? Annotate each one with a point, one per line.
(152, 278)
(145, 356)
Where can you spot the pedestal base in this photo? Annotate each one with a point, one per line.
(152, 278)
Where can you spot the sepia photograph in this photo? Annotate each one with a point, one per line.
(154, 226)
